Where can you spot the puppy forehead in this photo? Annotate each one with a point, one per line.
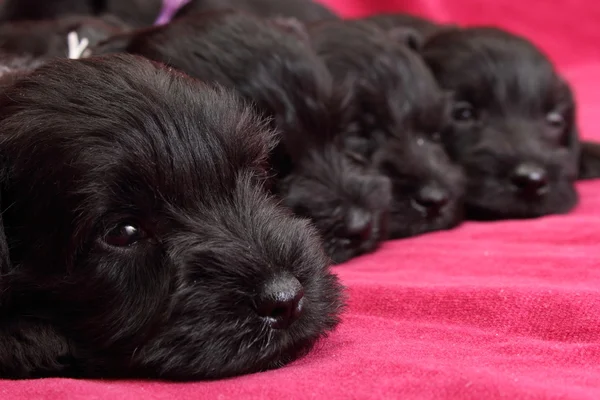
(127, 114)
(492, 61)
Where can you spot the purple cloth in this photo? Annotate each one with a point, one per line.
(169, 8)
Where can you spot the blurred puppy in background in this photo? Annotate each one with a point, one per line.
(514, 130)
(399, 118)
(307, 11)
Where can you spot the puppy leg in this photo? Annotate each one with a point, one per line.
(31, 350)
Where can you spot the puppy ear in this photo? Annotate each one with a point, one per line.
(292, 26)
(409, 36)
(589, 160)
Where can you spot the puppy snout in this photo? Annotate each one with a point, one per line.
(280, 302)
(359, 225)
(431, 199)
(530, 179)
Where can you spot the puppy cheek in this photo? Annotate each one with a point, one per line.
(130, 287)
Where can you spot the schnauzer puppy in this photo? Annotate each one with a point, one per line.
(514, 129)
(271, 63)
(137, 240)
(135, 13)
(399, 118)
(307, 11)
(51, 38)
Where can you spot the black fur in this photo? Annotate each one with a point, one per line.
(137, 240)
(399, 117)
(511, 108)
(304, 10)
(272, 64)
(136, 13)
(421, 29)
(589, 160)
(48, 38)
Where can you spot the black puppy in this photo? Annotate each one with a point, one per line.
(304, 10)
(135, 13)
(400, 115)
(272, 64)
(136, 238)
(514, 128)
(50, 38)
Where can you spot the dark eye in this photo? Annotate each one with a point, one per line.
(124, 235)
(555, 120)
(464, 112)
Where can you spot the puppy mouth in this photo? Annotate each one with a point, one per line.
(510, 204)
(341, 248)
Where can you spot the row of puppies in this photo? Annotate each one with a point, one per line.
(389, 128)
(389, 124)
(180, 266)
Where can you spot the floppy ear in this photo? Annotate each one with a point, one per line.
(29, 347)
(589, 160)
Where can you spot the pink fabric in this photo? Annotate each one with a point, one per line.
(506, 310)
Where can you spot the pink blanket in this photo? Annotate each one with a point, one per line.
(506, 310)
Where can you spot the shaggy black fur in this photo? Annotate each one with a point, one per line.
(304, 10)
(400, 115)
(137, 240)
(589, 161)
(48, 38)
(515, 129)
(136, 13)
(421, 28)
(272, 64)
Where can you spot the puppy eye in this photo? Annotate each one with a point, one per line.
(124, 235)
(555, 119)
(464, 112)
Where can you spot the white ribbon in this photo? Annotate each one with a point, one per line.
(77, 49)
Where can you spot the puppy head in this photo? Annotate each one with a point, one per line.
(49, 38)
(139, 232)
(307, 11)
(346, 201)
(514, 123)
(399, 116)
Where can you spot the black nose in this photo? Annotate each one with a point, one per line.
(280, 302)
(359, 224)
(431, 199)
(530, 179)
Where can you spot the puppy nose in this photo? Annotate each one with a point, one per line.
(432, 199)
(530, 179)
(359, 224)
(280, 302)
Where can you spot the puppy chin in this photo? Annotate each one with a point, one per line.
(499, 205)
(407, 222)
